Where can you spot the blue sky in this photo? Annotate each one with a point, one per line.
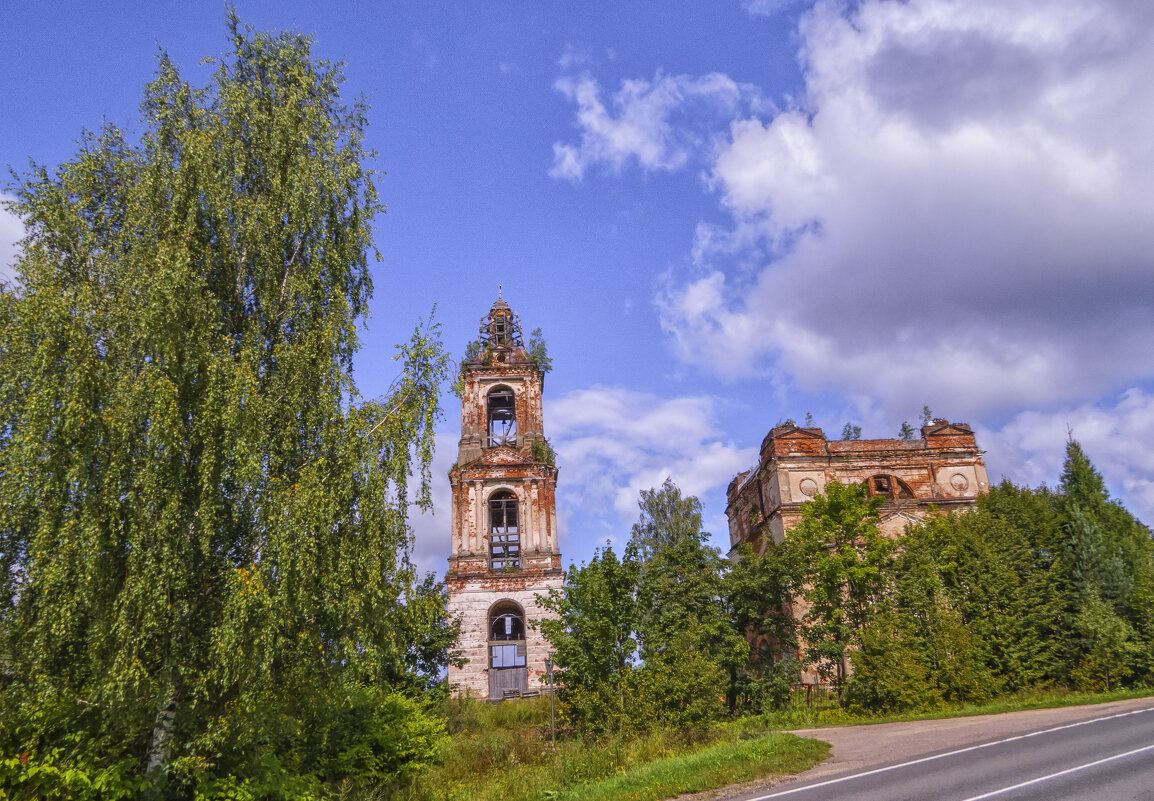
(722, 214)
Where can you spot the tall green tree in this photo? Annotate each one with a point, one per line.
(1109, 646)
(647, 640)
(1007, 596)
(758, 593)
(919, 650)
(667, 519)
(688, 645)
(203, 527)
(1093, 552)
(1106, 555)
(999, 575)
(845, 572)
(595, 642)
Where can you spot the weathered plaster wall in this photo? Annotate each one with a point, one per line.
(943, 469)
(470, 600)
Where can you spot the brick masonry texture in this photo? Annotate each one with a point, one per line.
(942, 470)
(483, 468)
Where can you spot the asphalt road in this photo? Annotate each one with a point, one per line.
(1104, 754)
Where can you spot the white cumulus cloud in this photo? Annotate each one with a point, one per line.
(431, 529)
(960, 210)
(613, 442)
(1030, 448)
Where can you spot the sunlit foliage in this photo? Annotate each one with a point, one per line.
(203, 531)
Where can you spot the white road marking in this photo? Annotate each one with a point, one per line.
(967, 749)
(993, 793)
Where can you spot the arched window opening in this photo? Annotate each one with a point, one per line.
(504, 531)
(889, 487)
(502, 417)
(507, 627)
(500, 330)
(506, 636)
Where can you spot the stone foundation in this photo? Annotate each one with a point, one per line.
(471, 599)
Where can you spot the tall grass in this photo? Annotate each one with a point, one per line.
(706, 769)
(501, 752)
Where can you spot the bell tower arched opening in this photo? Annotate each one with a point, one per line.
(501, 417)
(507, 650)
(504, 531)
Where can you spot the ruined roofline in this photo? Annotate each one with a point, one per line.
(871, 445)
(939, 429)
(745, 478)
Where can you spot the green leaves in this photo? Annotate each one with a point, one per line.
(595, 642)
(1031, 589)
(646, 640)
(845, 560)
(200, 515)
(539, 351)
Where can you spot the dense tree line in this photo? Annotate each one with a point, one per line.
(1033, 588)
(204, 575)
(205, 587)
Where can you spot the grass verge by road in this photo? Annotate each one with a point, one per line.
(708, 769)
(501, 752)
(799, 716)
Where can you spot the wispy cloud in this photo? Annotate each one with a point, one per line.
(768, 8)
(655, 124)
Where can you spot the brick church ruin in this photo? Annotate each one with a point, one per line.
(504, 552)
(943, 469)
(503, 549)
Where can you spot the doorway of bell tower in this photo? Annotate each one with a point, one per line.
(507, 668)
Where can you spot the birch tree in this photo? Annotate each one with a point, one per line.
(202, 523)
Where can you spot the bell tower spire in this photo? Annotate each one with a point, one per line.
(503, 547)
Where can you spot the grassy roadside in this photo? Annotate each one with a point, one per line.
(802, 717)
(501, 752)
(707, 769)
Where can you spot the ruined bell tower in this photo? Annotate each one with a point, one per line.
(503, 551)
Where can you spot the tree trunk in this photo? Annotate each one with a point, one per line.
(162, 728)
